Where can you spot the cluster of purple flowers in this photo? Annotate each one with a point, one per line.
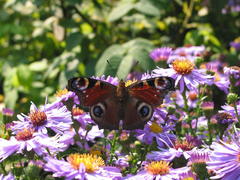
(187, 137)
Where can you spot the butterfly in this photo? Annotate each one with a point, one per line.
(115, 107)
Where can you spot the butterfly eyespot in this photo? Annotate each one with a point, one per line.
(97, 111)
(144, 110)
(163, 83)
(80, 83)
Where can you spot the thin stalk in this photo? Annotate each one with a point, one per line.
(113, 144)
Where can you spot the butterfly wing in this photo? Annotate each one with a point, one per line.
(99, 97)
(90, 91)
(152, 91)
(143, 97)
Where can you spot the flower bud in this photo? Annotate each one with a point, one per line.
(232, 98)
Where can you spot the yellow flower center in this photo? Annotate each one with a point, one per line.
(188, 178)
(156, 128)
(24, 135)
(183, 66)
(38, 118)
(61, 92)
(77, 111)
(184, 145)
(158, 167)
(95, 152)
(129, 82)
(217, 77)
(90, 161)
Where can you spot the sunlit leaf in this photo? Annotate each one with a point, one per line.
(146, 7)
(38, 66)
(121, 10)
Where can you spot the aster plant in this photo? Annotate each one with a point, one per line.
(190, 135)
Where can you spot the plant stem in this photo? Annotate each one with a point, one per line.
(236, 111)
(113, 144)
(188, 15)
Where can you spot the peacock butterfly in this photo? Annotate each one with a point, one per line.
(114, 107)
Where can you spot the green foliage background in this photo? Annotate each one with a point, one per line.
(45, 42)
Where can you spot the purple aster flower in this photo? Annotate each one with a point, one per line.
(109, 79)
(225, 118)
(7, 112)
(215, 66)
(224, 160)
(230, 110)
(155, 131)
(81, 166)
(187, 175)
(207, 105)
(134, 75)
(28, 140)
(177, 149)
(236, 45)
(57, 118)
(222, 82)
(7, 177)
(232, 6)
(67, 138)
(185, 75)
(122, 162)
(200, 123)
(64, 95)
(160, 54)
(190, 51)
(155, 170)
(199, 156)
(91, 134)
(82, 117)
(167, 154)
(233, 71)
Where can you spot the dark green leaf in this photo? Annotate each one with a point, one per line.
(73, 40)
(102, 63)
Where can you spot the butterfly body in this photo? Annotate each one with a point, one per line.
(128, 107)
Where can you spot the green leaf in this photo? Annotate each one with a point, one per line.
(102, 63)
(125, 67)
(25, 76)
(121, 10)
(113, 65)
(62, 80)
(139, 43)
(142, 56)
(11, 96)
(38, 66)
(73, 40)
(147, 8)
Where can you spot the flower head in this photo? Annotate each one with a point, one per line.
(236, 43)
(81, 166)
(185, 74)
(160, 54)
(7, 112)
(7, 177)
(52, 116)
(27, 139)
(225, 160)
(155, 170)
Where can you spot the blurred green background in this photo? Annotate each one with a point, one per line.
(45, 42)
